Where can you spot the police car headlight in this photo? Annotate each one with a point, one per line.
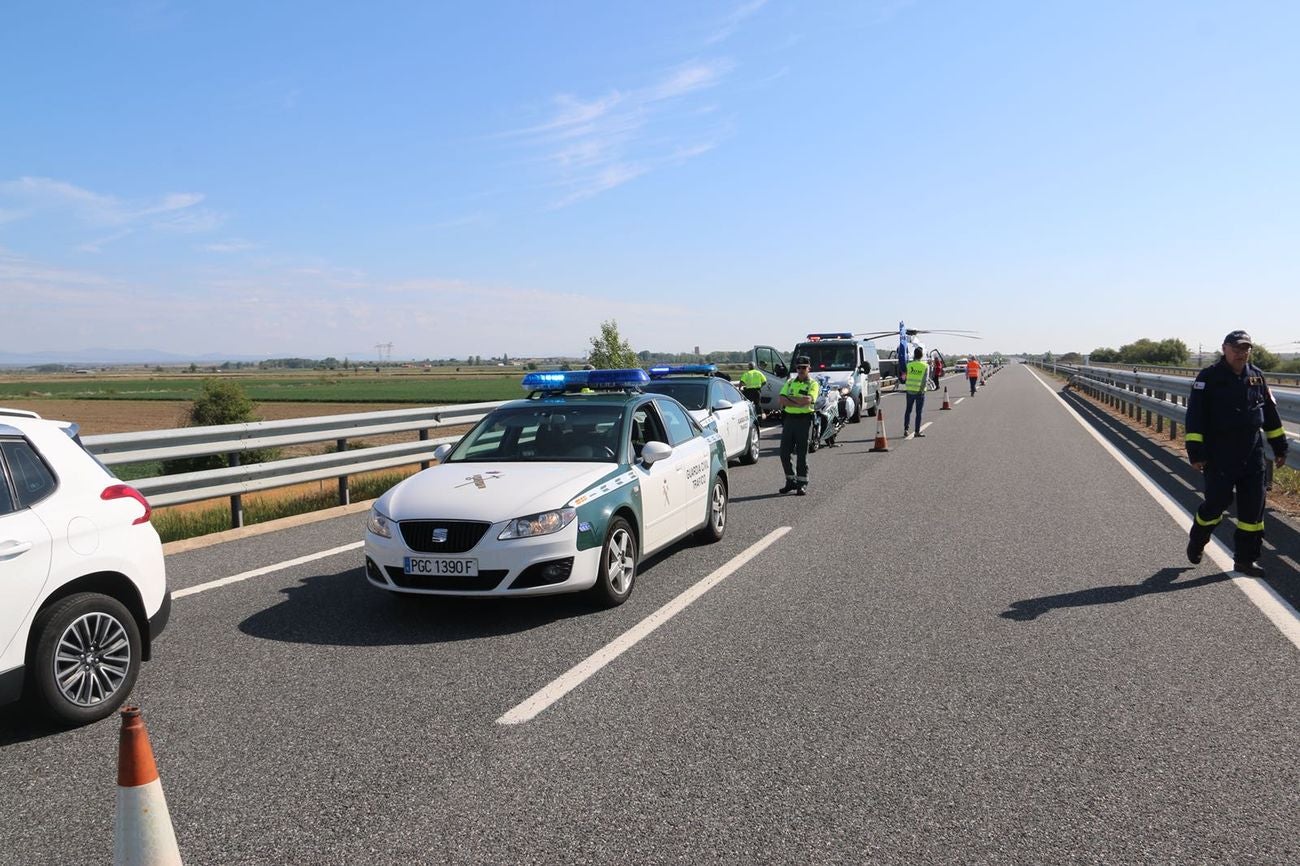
(379, 524)
(539, 524)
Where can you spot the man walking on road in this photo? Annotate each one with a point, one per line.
(1230, 404)
(973, 373)
(798, 396)
(918, 373)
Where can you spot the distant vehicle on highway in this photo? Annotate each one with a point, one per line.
(84, 589)
(714, 403)
(564, 491)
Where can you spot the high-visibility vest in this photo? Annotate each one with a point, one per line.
(752, 379)
(917, 373)
(972, 369)
(795, 388)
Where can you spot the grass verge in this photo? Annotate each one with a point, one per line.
(177, 524)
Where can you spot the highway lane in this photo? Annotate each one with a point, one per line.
(983, 646)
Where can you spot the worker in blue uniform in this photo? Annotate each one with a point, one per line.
(1229, 406)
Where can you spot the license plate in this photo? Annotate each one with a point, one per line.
(441, 566)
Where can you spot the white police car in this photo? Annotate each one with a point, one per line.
(561, 492)
(714, 403)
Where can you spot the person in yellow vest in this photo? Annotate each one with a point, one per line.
(751, 385)
(973, 373)
(798, 396)
(918, 373)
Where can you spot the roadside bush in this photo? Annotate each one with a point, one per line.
(218, 403)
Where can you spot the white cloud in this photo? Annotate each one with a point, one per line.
(592, 145)
(28, 197)
(733, 21)
(231, 245)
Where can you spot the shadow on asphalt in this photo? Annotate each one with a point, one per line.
(1164, 580)
(20, 724)
(343, 609)
(1280, 534)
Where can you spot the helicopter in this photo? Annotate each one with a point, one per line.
(908, 344)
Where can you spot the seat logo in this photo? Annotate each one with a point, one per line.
(440, 535)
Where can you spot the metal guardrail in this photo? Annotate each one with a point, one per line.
(237, 440)
(1158, 396)
(1290, 380)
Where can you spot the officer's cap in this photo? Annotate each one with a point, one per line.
(1239, 338)
(802, 361)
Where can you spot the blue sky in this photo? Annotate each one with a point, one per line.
(311, 178)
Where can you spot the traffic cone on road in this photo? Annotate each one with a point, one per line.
(142, 834)
(946, 404)
(882, 444)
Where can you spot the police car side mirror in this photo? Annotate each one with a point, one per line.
(441, 452)
(866, 367)
(781, 370)
(721, 405)
(653, 452)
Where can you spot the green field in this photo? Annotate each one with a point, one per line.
(318, 388)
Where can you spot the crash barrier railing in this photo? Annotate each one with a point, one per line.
(1289, 380)
(1156, 398)
(235, 441)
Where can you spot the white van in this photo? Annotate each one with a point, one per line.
(848, 361)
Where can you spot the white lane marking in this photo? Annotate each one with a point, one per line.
(1264, 597)
(958, 400)
(583, 670)
(923, 426)
(268, 569)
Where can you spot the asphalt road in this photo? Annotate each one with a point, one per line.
(984, 646)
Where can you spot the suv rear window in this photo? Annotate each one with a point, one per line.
(32, 479)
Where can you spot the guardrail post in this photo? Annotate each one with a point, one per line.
(344, 496)
(424, 437)
(1160, 419)
(236, 501)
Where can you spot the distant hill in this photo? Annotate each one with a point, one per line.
(109, 357)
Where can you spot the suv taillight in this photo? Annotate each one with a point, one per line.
(126, 491)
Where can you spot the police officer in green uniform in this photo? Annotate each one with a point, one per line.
(751, 385)
(1228, 408)
(798, 396)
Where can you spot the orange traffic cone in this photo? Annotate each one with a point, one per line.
(143, 832)
(882, 444)
(946, 404)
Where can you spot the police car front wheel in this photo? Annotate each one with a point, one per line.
(618, 560)
(716, 524)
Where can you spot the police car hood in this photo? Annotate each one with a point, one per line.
(489, 491)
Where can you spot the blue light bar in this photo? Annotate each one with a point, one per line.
(683, 370)
(556, 380)
(615, 379)
(596, 380)
(836, 336)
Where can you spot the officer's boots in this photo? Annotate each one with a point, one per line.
(1197, 539)
(1246, 549)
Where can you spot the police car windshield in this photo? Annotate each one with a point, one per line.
(543, 432)
(692, 395)
(829, 356)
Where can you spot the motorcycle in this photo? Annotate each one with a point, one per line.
(833, 409)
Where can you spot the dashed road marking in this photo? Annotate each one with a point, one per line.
(266, 569)
(581, 672)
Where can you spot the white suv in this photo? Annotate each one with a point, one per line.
(83, 588)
